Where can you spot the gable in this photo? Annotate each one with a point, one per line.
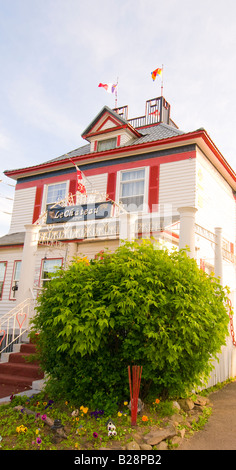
(108, 121)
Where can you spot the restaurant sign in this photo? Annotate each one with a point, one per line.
(98, 210)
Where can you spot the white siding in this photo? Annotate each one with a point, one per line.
(23, 209)
(177, 184)
(215, 201)
(10, 255)
(98, 183)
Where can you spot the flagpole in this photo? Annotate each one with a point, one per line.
(162, 80)
(116, 93)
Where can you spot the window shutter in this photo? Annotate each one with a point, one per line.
(37, 204)
(111, 186)
(153, 188)
(72, 187)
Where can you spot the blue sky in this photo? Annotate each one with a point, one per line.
(54, 53)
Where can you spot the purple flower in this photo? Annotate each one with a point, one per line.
(39, 440)
(44, 417)
(49, 403)
(95, 434)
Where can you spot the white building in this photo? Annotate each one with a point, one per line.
(153, 178)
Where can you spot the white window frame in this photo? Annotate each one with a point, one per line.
(104, 141)
(45, 192)
(146, 186)
(14, 282)
(43, 280)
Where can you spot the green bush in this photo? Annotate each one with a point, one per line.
(140, 305)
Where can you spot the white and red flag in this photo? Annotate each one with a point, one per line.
(80, 182)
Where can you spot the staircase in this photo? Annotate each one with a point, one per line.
(17, 375)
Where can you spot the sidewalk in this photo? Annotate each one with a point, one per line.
(220, 431)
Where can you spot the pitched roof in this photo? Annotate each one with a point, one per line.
(149, 134)
(12, 239)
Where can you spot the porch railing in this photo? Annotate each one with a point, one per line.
(15, 323)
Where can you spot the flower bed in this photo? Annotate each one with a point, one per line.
(26, 423)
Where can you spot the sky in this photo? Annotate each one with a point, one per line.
(54, 53)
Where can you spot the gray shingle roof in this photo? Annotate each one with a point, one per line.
(13, 239)
(149, 134)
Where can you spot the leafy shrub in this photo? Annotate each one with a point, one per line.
(140, 305)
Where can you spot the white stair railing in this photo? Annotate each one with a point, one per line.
(15, 323)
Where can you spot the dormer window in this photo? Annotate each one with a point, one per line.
(106, 144)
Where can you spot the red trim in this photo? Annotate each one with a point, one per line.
(111, 129)
(4, 277)
(38, 202)
(118, 140)
(153, 194)
(3, 247)
(111, 185)
(108, 118)
(95, 145)
(127, 150)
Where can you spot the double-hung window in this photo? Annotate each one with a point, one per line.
(15, 279)
(3, 267)
(56, 193)
(132, 189)
(49, 266)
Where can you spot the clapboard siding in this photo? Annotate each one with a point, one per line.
(177, 184)
(23, 209)
(98, 183)
(10, 255)
(91, 249)
(215, 201)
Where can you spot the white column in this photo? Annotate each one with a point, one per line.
(26, 281)
(71, 252)
(218, 254)
(127, 226)
(187, 229)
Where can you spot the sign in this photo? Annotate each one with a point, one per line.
(98, 210)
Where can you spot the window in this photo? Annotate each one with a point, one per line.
(106, 144)
(3, 267)
(49, 266)
(132, 189)
(15, 279)
(55, 193)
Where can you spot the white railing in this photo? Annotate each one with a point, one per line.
(15, 323)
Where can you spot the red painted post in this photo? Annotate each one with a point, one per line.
(134, 386)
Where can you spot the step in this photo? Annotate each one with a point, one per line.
(21, 369)
(21, 358)
(15, 381)
(6, 390)
(29, 348)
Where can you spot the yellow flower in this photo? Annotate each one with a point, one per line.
(157, 401)
(84, 409)
(125, 403)
(21, 428)
(119, 414)
(76, 445)
(66, 402)
(37, 431)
